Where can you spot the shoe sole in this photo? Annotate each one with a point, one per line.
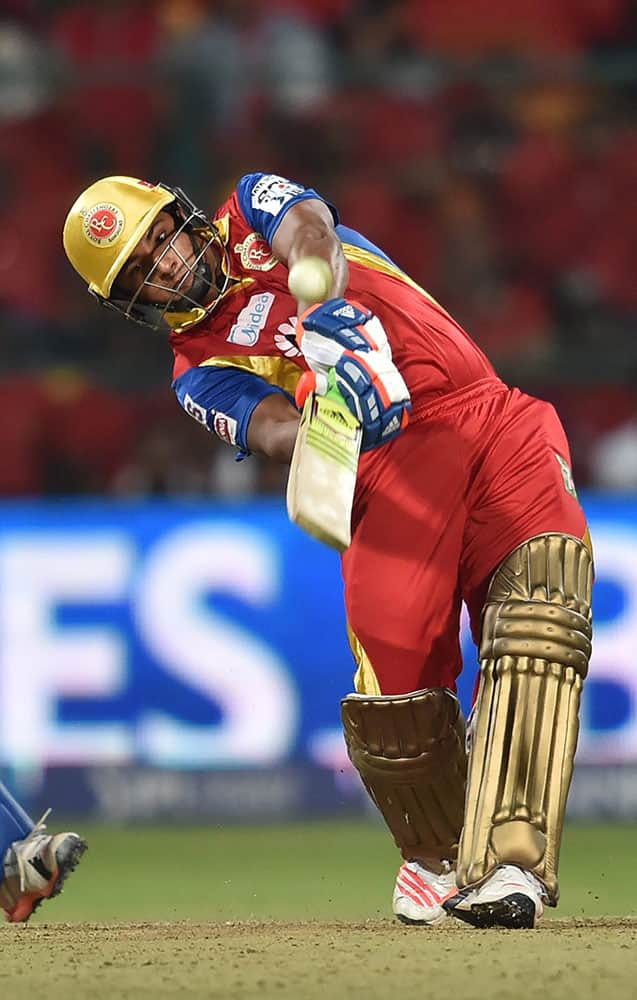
(68, 856)
(421, 923)
(515, 912)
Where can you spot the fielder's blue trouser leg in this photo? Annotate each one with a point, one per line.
(14, 823)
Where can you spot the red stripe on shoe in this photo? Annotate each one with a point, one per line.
(415, 898)
(406, 881)
(417, 882)
(419, 890)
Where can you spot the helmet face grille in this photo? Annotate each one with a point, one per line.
(198, 290)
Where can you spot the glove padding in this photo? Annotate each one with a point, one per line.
(324, 331)
(347, 342)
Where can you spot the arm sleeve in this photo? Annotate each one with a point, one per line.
(265, 198)
(223, 400)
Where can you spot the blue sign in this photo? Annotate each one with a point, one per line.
(208, 636)
(171, 634)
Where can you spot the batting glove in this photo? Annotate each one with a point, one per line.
(324, 331)
(346, 345)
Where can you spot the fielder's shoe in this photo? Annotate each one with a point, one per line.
(420, 893)
(511, 897)
(35, 869)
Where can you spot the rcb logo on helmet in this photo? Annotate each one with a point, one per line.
(102, 224)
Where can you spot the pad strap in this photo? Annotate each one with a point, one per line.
(409, 751)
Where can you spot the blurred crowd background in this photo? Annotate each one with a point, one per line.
(488, 146)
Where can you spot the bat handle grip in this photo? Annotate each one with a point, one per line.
(305, 385)
(322, 385)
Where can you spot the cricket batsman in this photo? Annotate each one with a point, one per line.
(464, 493)
(34, 864)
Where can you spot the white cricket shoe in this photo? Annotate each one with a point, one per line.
(35, 869)
(510, 897)
(420, 893)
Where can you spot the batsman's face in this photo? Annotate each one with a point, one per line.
(160, 266)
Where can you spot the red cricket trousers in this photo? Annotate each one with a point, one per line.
(474, 475)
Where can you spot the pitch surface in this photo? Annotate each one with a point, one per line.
(303, 912)
(374, 960)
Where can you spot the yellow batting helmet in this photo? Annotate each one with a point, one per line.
(105, 225)
(103, 229)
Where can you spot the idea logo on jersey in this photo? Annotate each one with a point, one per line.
(251, 320)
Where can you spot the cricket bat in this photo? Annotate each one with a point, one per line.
(322, 476)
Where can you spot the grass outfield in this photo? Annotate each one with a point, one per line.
(322, 871)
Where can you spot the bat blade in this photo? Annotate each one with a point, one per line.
(322, 477)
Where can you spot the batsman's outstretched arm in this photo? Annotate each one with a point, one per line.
(273, 427)
(307, 230)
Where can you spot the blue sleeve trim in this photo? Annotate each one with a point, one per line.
(264, 200)
(223, 400)
(357, 240)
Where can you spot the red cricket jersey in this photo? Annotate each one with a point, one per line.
(251, 331)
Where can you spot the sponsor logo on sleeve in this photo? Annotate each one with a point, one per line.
(197, 412)
(251, 320)
(272, 192)
(256, 253)
(225, 427)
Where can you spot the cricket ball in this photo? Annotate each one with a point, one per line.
(310, 280)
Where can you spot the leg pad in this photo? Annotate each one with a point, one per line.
(409, 751)
(534, 653)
